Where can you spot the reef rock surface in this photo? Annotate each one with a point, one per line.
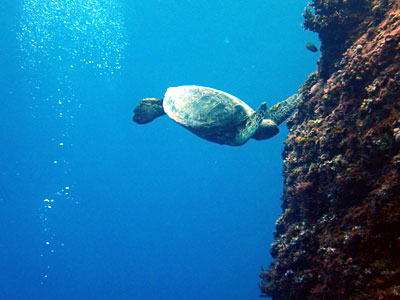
(339, 234)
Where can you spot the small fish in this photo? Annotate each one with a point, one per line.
(311, 47)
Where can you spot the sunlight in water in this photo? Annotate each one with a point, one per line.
(76, 32)
(61, 40)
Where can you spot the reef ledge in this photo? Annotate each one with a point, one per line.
(339, 234)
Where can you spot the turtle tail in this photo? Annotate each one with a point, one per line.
(282, 110)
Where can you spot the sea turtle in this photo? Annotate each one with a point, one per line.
(215, 115)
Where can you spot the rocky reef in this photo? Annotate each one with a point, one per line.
(339, 234)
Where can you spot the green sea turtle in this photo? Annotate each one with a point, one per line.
(215, 115)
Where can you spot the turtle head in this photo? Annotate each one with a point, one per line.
(266, 130)
(147, 110)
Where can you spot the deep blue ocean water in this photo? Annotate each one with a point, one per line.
(93, 206)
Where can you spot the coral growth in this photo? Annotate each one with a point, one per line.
(339, 235)
(339, 23)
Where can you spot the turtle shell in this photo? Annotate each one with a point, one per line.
(210, 114)
(197, 107)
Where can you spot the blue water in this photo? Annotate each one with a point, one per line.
(93, 206)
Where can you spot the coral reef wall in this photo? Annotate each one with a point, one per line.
(339, 234)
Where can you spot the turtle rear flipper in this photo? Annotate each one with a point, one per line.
(282, 110)
(147, 110)
(251, 125)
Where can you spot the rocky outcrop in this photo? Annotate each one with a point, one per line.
(339, 234)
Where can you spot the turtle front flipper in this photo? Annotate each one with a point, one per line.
(260, 113)
(282, 110)
(147, 110)
(251, 125)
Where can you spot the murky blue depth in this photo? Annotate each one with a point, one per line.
(93, 206)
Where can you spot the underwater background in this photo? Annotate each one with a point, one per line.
(94, 206)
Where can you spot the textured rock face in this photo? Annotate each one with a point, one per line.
(339, 235)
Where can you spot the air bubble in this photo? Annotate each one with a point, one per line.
(71, 28)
